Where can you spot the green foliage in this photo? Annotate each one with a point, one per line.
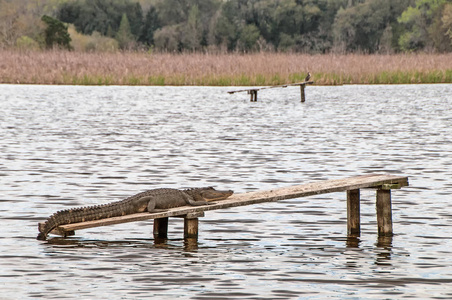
(21, 18)
(124, 35)
(93, 42)
(447, 21)
(425, 27)
(26, 43)
(193, 31)
(226, 26)
(150, 25)
(103, 16)
(249, 36)
(314, 26)
(56, 33)
(156, 80)
(167, 38)
(361, 27)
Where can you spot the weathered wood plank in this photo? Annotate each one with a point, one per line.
(272, 87)
(297, 191)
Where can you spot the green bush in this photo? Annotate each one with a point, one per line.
(27, 43)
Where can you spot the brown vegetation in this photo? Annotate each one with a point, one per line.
(66, 67)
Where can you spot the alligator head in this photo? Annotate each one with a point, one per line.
(208, 194)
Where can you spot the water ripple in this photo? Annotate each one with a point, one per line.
(71, 146)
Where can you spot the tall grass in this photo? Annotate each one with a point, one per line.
(81, 68)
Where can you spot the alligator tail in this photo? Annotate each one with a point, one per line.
(82, 214)
(42, 236)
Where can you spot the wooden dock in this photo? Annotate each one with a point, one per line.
(253, 91)
(351, 185)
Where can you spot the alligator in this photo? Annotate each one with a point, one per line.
(155, 200)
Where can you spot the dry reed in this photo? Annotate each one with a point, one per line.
(64, 67)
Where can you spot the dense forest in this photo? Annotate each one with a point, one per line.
(308, 26)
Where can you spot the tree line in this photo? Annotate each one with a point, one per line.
(309, 26)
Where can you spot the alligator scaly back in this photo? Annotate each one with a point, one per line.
(89, 213)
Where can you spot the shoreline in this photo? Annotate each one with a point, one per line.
(59, 67)
(219, 86)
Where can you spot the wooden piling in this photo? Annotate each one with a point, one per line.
(191, 221)
(353, 213)
(161, 228)
(384, 212)
(253, 97)
(303, 97)
(191, 228)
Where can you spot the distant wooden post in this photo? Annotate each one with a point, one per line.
(303, 97)
(384, 212)
(353, 213)
(253, 97)
(253, 91)
(161, 228)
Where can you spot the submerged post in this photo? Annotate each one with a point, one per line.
(384, 212)
(353, 213)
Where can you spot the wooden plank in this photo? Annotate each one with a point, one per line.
(297, 191)
(272, 87)
(392, 186)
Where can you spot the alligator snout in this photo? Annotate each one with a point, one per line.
(214, 195)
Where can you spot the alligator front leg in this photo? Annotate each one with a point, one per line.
(152, 202)
(193, 202)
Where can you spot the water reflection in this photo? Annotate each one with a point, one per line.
(191, 244)
(86, 243)
(186, 244)
(384, 250)
(352, 241)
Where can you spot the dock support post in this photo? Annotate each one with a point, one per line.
(161, 228)
(191, 228)
(303, 98)
(384, 212)
(353, 213)
(191, 222)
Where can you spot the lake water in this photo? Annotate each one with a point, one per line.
(68, 146)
